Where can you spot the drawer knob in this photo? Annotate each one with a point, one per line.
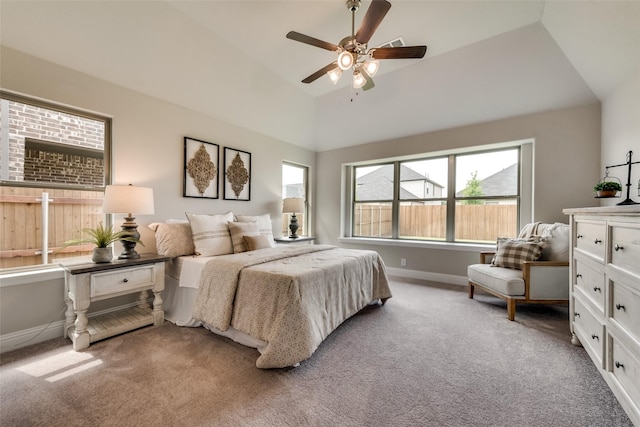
(125, 280)
(619, 306)
(596, 289)
(617, 247)
(596, 241)
(595, 337)
(578, 276)
(579, 236)
(576, 314)
(619, 365)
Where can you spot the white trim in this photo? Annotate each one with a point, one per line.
(26, 337)
(449, 246)
(31, 275)
(426, 275)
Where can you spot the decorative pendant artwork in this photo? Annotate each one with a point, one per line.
(201, 160)
(237, 172)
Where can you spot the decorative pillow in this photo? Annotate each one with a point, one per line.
(211, 233)
(557, 239)
(264, 225)
(256, 242)
(240, 229)
(173, 239)
(511, 253)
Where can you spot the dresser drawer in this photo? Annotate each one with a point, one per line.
(625, 247)
(590, 331)
(625, 306)
(625, 367)
(124, 280)
(590, 238)
(590, 280)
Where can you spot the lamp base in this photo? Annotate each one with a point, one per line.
(131, 229)
(293, 227)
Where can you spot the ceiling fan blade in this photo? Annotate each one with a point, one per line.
(321, 72)
(403, 52)
(372, 19)
(312, 41)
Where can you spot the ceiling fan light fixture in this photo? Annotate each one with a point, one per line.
(371, 66)
(335, 74)
(345, 60)
(358, 80)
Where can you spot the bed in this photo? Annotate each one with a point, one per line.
(282, 300)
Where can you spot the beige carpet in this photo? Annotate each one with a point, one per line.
(429, 357)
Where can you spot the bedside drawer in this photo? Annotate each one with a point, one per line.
(117, 281)
(590, 281)
(625, 247)
(590, 238)
(590, 332)
(626, 368)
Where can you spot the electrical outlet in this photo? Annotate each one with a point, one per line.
(403, 262)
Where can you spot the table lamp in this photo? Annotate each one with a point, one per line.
(128, 200)
(293, 205)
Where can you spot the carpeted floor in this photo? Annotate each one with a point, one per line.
(429, 357)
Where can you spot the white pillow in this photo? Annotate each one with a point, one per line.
(557, 238)
(240, 229)
(173, 239)
(264, 225)
(211, 233)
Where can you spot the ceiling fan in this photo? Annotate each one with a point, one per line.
(353, 52)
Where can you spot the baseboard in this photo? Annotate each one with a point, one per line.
(429, 276)
(15, 340)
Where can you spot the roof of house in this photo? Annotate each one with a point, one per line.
(378, 184)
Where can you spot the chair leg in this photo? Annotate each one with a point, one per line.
(511, 309)
(471, 289)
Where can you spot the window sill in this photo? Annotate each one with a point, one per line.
(31, 275)
(448, 246)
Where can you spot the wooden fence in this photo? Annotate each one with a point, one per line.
(21, 211)
(478, 223)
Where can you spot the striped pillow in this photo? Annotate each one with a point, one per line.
(211, 234)
(264, 225)
(511, 253)
(240, 229)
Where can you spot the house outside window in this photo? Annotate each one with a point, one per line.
(54, 164)
(295, 184)
(459, 197)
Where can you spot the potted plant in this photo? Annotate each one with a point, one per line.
(102, 237)
(607, 188)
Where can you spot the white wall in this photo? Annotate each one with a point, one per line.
(148, 151)
(566, 165)
(621, 134)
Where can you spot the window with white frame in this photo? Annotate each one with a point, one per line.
(54, 164)
(471, 197)
(295, 185)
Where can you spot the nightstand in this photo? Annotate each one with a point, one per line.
(305, 240)
(86, 283)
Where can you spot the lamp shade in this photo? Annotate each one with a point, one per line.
(128, 199)
(293, 205)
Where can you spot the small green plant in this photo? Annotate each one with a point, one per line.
(103, 237)
(607, 186)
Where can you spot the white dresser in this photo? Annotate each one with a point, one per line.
(604, 299)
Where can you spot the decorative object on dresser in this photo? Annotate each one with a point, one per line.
(293, 205)
(530, 269)
(102, 237)
(237, 172)
(86, 283)
(605, 296)
(128, 200)
(606, 184)
(201, 160)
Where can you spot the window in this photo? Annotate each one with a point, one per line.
(295, 184)
(459, 197)
(54, 164)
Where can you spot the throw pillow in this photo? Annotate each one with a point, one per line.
(173, 239)
(240, 229)
(211, 233)
(557, 239)
(256, 242)
(264, 225)
(511, 253)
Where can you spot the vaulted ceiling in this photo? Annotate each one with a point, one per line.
(486, 60)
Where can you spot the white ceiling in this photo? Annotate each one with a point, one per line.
(486, 60)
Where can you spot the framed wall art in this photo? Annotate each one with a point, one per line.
(237, 174)
(201, 164)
